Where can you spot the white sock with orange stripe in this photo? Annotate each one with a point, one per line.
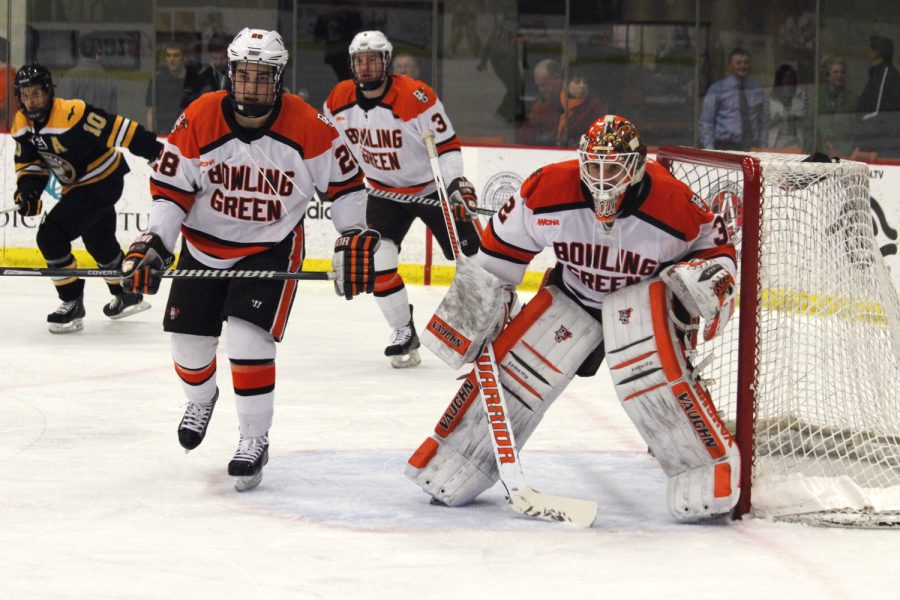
(251, 351)
(390, 291)
(195, 364)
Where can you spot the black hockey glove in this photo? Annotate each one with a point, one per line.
(144, 264)
(29, 202)
(354, 262)
(462, 198)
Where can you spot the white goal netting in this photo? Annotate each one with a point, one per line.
(822, 360)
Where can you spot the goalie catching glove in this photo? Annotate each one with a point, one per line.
(146, 260)
(462, 198)
(354, 262)
(706, 289)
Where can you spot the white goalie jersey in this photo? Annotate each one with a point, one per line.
(661, 222)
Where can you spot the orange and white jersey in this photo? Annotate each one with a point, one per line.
(234, 192)
(385, 134)
(662, 222)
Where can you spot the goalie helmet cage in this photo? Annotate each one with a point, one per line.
(807, 373)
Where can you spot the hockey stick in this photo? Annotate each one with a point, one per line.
(173, 274)
(411, 199)
(522, 497)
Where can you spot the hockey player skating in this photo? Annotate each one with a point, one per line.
(381, 117)
(639, 259)
(235, 178)
(77, 142)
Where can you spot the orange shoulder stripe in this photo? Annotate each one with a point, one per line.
(302, 124)
(159, 190)
(494, 246)
(409, 98)
(556, 184)
(342, 96)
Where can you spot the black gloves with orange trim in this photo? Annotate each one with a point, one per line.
(354, 262)
(144, 264)
(462, 198)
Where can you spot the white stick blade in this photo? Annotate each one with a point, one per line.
(557, 509)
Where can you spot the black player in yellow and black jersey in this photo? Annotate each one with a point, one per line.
(77, 143)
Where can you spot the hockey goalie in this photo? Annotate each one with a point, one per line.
(640, 260)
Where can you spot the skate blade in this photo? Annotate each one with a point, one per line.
(70, 327)
(132, 310)
(243, 484)
(405, 361)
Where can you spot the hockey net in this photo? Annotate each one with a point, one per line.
(807, 374)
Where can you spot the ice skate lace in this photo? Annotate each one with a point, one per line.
(250, 448)
(401, 335)
(66, 307)
(196, 417)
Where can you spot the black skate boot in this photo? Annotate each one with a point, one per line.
(246, 465)
(192, 428)
(124, 305)
(67, 318)
(403, 345)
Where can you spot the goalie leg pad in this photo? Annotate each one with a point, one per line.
(671, 409)
(538, 354)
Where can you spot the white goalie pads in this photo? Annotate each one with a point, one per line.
(470, 312)
(538, 354)
(670, 407)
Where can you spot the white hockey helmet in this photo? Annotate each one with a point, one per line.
(261, 47)
(371, 41)
(611, 157)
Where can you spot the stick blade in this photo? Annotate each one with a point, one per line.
(559, 509)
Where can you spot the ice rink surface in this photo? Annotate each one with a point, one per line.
(98, 500)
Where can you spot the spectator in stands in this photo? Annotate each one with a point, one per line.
(581, 109)
(837, 106)
(542, 121)
(406, 64)
(788, 112)
(214, 75)
(879, 101)
(735, 112)
(88, 79)
(7, 79)
(175, 85)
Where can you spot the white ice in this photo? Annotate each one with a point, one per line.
(98, 500)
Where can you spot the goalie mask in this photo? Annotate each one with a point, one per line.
(610, 157)
(31, 76)
(256, 61)
(370, 59)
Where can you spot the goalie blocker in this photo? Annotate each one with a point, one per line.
(550, 341)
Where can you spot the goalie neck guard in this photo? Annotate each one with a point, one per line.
(370, 59)
(611, 157)
(256, 61)
(30, 75)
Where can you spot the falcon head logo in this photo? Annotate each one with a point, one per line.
(625, 316)
(563, 334)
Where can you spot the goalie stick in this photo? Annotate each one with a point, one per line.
(173, 274)
(410, 199)
(522, 497)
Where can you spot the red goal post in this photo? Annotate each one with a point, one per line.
(808, 373)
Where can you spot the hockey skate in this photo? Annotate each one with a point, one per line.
(192, 428)
(249, 459)
(67, 318)
(403, 347)
(124, 305)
